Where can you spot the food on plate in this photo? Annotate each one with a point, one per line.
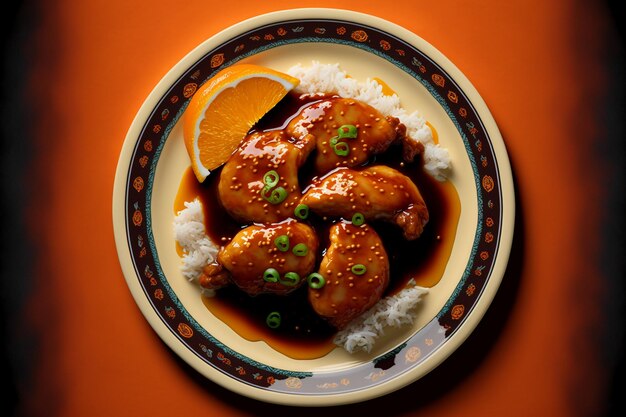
(353, 274)
(224, 109)
(275, 258)
(259, 182)
(331, 79)
(347, 132)
(377, 192)
(308, 193)
(392, 311)
(190, 233)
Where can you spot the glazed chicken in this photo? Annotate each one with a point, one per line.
(377, 192)
(259, 182)
(265, 259)
(348, 132)
(355, 269)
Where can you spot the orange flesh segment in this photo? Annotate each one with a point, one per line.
(225, 108)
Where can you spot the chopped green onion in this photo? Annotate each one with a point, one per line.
(271, 275)
(333, 140)
(301, 211)
(282, 243)
(265, 192)
(316, 281)
(271, 178)
(300, 249)
(341, 148)
(358, 269)
(273, 320)
(358, 219)
(290, 279)
(277, 195)
(347, 131)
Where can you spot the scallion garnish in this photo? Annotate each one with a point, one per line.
(290, 279)
(282, 243)
(341, 148)
(300, 249)
(275, 196)
(348, 131)
(271, 275)
(273, 320)
(271, 178)
(358, 269)
(358, 219)
(316, 281)
(301, 211)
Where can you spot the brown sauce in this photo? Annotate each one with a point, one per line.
(302, 334)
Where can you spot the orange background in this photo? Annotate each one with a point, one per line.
(80, 345)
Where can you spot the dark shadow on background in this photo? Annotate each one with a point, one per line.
(432, 387)
(16, 143)
(611, 112)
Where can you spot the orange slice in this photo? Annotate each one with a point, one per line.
(223, 110)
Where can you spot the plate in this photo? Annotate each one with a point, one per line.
(153, 160)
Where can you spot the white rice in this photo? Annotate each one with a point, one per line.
(189, 232)
(329, 79)
(393, 311)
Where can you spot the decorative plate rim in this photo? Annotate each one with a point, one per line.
(135, 172)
